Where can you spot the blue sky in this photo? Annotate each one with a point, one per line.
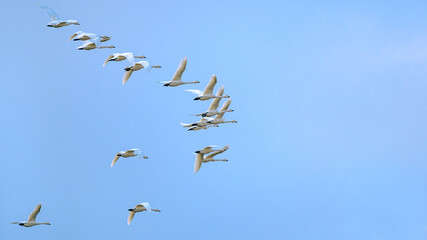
(330, 100)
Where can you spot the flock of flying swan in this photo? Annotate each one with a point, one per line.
(207, 154)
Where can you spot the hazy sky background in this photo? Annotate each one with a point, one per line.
(330, 99)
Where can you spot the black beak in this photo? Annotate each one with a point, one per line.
(130, 210)
(197, 151)
(166, 84)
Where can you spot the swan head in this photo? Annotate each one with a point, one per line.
(80, 48)
(21, 224)
(130, 209)
(234, 121)
(49, 25)
(197, 82)
(197, 151)
(74, 22)
(196, 98)
(119, 154)
(127, 68)
(166, 84)
(226, 96)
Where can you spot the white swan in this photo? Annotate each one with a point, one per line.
(176, 79)
(207, 93)
(212, 111)
(219, 118)
(200, 158)
(84, 36)
(145, 206)
(129, 153)
(93, 44)
(117, 57)
(55, 22)
(207, 150)
(135, 67)
(32, 219)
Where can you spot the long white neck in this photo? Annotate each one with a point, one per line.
(45, 223)
(229, 121)
(106, 47)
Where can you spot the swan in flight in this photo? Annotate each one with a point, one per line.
(219, 118)
(176, 79)
(129, 153)
(201, 123)
(145, 206)
(83, 36)
(135, 67)
(117, 57)
(32, 219)
(207, 93)
(55, 22)
(200, 158)
(212, 111)
(93, 44)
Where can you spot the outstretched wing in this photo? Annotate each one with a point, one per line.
(226, 105)
(146, 65)
(33, 215)
(115, 160)
(108, 59)
(129, 57)
(180, 70)
(72, 36)
(209, 88)
(126, 76)
(215, 103)
(198, 162)
(195, 91)
(146, 205)
(131, 215)
(218, 152)
(52, 14)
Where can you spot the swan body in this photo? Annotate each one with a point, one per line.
(93, 44)
(145, 206)
(207, 93)
(32, 218)
(176, 79)
(117, 57)
(200, 158)
(83, 36)
(135, 67)
(126, 154)
(219, 118)
(207, 150)
(55, 21)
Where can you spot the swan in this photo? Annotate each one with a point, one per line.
(135, 67)
(207, 150)
(207, 93)
(219, 118)
(212, 111)
(83, 36)
(32, 219)
(200, 158)
(93, 44)
(55, 22)
(117, 57)
(176, 79)
(129, 153)
(145, 206)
